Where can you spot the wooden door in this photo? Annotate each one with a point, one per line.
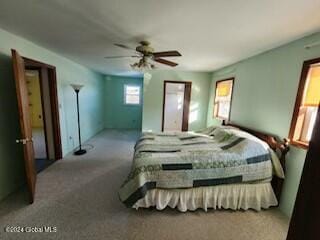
(186, 106)
(305, 221)
(25, 122)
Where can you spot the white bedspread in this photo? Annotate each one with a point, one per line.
(255, 196)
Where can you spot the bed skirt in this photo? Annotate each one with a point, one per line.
(255, 196)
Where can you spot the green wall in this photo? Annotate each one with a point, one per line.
(264, 94)
(117, 114)
(91, 110)
(153, 97)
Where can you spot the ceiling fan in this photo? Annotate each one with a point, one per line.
(146, 53)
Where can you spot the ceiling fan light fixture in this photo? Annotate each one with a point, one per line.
(146, 54)
(143, 65)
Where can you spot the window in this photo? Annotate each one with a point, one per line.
(307, 103)
(222, 100)
(131, 94)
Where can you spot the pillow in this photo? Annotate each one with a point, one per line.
(277, 167)
(219, 129)
(207, 130)
(222, 135)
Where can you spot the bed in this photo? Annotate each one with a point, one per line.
(229, 167)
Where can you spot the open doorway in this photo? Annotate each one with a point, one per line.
(37, 122)
(36, 96)
(176, 103)
(43, 111)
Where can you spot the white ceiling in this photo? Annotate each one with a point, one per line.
(209, 34)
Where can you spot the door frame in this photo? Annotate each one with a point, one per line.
(53, 92)
(186, 103)
(305, 218)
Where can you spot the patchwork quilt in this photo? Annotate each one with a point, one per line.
(186, 160)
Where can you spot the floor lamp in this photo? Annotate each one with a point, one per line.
(76, 88)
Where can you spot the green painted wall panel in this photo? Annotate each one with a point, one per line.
(117, 114)
(91, 109)
(264, 94)
(153, 98)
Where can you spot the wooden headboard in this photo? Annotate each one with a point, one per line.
(281, 147)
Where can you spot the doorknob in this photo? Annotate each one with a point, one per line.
(23, 141)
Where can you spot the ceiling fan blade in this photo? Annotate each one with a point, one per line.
(123, 46)
(110, 57)
(166, 62)
(167, 54)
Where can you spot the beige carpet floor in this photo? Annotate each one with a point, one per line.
(78, 196)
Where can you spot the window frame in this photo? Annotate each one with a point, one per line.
(214, 99)
(125, 94)
(302, 85)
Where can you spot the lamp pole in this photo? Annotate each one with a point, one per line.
(77, 88)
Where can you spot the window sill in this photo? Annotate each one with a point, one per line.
(299, 144)
(131, 104)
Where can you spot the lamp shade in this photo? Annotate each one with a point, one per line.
(224, 88)
(76, 87)
(312, 92)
